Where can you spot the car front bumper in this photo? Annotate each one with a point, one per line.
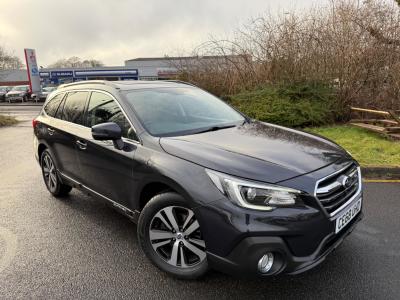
(243, 260)
(300, 239)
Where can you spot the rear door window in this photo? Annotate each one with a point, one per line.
(53, 104)
(74, 107)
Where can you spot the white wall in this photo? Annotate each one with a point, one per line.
(149, 67)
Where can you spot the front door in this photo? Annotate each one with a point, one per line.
(106, 170)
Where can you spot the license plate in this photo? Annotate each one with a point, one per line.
(348, 215)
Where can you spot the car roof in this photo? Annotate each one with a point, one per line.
(127, 84)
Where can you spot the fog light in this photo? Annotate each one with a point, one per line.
(266, 262)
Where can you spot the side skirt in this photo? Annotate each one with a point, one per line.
(132, 215)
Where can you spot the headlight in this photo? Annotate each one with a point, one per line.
(254, 195)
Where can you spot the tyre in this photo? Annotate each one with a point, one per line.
(50, 176)
(170, 236)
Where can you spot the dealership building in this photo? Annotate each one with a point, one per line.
(155, 68)
(13, 77)
(56, 76)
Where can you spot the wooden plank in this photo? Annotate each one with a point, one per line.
(370, 127)
(374, 121)
(387, 122)
(394, 116)
(393, 129)
(395, 137)
(378, 112)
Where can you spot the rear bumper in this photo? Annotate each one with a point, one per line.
(36, 147)
(243, 260)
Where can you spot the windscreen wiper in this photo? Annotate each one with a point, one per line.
(215, 128)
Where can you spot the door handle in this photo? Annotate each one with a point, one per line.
(50, 131)
(81, 144)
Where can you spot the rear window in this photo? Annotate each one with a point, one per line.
(74, 107)
(53, 104)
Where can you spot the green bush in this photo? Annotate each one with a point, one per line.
(296, 105)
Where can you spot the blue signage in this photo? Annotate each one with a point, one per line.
(86, 74)
(62, 74)
(35, 71)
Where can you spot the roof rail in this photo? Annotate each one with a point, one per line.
(180, 81)
(105, 82)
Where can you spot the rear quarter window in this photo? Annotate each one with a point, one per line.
(53, 104)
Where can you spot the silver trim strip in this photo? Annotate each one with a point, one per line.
(357, 193)
(328, 188)
(89, 91)
(116, 204)
(329, 176)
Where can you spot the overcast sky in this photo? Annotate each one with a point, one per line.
(115, 30)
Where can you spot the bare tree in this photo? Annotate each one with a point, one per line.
(331, 45)
(376, 30)
(76, 62)
(9, 61)
(92, 63)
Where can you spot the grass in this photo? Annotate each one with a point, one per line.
(7, 121)
(368, 148)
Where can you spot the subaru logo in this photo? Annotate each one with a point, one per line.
(346, 182)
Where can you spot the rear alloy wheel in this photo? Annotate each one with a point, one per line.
(172, 239)
(50, 176)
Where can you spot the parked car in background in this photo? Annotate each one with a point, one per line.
(208, 187)
(3, 91)
(18, 93)
(41, 96)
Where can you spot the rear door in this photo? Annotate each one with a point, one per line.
(69, 127)
(106, 170)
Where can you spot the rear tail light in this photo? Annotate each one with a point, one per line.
(34, 123)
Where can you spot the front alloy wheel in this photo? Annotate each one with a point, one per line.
(170, 235)
(175, 236)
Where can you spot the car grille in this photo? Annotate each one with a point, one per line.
(337, 189)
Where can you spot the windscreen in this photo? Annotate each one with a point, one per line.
(49, 89)
(179, 111)
(20, 88)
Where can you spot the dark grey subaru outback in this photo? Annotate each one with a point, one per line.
(208, 187)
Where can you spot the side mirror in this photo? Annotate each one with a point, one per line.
(108, 132)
